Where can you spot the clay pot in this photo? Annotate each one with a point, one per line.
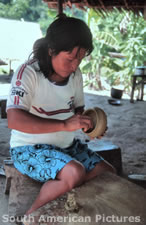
(116, 93)
(99, 119)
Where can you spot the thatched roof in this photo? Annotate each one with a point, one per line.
(134, 5)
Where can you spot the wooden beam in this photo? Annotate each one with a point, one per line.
(101, 3)
(145, 11)
(60, 6)
(121, 6)
(126, 4)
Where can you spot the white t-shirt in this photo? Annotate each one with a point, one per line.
(31, 91)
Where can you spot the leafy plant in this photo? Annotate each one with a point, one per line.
(119, 32)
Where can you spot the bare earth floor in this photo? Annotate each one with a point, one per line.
(126, 129)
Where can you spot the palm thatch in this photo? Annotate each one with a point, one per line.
(134, 5)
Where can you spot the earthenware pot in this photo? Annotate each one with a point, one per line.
(99, 119)
(116, 93)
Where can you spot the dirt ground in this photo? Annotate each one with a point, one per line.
(126, 128)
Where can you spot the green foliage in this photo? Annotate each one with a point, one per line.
(29, 10)
(3, 71)
(75, 12)
(107, 39)
(116, 31)
(14, 9)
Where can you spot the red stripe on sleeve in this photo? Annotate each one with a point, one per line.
(19, 75)
(15, 100)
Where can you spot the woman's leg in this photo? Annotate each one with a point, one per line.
(100, 168)
(93, 162)
(73, 174)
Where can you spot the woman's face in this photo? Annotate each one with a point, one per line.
(67, 62)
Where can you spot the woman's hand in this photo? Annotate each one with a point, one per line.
(78, 122)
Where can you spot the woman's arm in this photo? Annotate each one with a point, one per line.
(26, 122)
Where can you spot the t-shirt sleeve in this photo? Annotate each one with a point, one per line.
(22, 88)
(79, 94)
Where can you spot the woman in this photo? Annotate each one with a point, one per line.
(44, 109)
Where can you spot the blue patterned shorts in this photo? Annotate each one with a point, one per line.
(42, 162)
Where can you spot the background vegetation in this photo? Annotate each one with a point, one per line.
(117, 32)
(120, 32)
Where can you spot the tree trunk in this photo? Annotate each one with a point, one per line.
(98, 80)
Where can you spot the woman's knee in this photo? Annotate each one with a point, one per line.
(73, 174)
(78, 171)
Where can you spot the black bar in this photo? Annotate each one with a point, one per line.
(60, 6)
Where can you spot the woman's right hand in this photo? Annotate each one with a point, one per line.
(78, 122)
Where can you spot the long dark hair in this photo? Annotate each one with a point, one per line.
(63, 34)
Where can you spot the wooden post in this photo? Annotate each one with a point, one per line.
(144, 11)
(144, 14)
(60, 6)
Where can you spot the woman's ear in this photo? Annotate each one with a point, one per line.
(50, 52)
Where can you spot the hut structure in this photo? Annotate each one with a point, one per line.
(134, 5)
(107, 198)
